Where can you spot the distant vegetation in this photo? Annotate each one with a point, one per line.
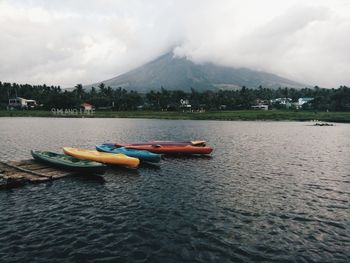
(119, 99)
(246, 115)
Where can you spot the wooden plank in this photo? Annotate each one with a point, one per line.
(28, 164)
(5, 169)
(17, 173)
(25, 170)
(57, 176)
(48, 174)
(33, 167)
(24, 176)
(44, 170)
(23, 162)
(14, 175)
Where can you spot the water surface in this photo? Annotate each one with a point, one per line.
(272, 192)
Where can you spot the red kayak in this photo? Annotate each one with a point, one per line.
(170, 147)
(180, 143)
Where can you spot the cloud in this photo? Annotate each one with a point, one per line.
(65, 43)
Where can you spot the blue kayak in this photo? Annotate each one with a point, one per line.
(141, 154)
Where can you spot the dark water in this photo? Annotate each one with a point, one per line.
(272, 192)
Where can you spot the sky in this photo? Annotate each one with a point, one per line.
(69, 42)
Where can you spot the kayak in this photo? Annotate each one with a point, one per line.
(168, 148)
(68, 162)
(102, 157)
(193, 143)
(142, 155)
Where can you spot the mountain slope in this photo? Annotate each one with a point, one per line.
(180, 73)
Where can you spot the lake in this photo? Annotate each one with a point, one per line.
(271, 192)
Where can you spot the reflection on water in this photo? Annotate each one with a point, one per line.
(272, 192)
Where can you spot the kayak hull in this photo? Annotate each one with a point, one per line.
(68, 163)
(102, 157)
(169, 148)
(140, 154)
(179, 143)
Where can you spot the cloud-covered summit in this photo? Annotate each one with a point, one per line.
(69, 42)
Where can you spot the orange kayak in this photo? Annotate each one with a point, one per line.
(102, 157)
(168, 148)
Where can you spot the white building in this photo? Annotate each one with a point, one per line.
(185, 104)
(260, 107)
(282, 101)
(304, 100)
(21, 103)
(86, 106)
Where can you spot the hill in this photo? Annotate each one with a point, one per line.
(174, 73)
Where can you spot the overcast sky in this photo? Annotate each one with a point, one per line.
(60, 42)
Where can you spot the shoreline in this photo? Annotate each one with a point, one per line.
(242, 115)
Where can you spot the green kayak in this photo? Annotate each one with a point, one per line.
(68, 162)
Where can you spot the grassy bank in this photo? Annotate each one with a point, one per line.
(276, 115)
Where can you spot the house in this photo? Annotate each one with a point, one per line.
(261, 104)
(301, 101)
(86, 106)
(185, 104)
(260, 107)
(21, 103)
(282, 101)
(261, 101)
(304, 100)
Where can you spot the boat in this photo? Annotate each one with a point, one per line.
(67, 162)
(168, 147)
(142, 155)
(323, 124)
(193, 143)
(102, 157)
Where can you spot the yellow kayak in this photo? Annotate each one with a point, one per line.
(102, 157)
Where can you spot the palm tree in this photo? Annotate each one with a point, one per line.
(79, 90)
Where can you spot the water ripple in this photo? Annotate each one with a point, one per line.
(272, 192)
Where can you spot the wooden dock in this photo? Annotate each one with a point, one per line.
(17, 173)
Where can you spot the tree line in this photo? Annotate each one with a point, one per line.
(119, 99)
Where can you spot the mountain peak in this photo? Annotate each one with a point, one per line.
(175, 73)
